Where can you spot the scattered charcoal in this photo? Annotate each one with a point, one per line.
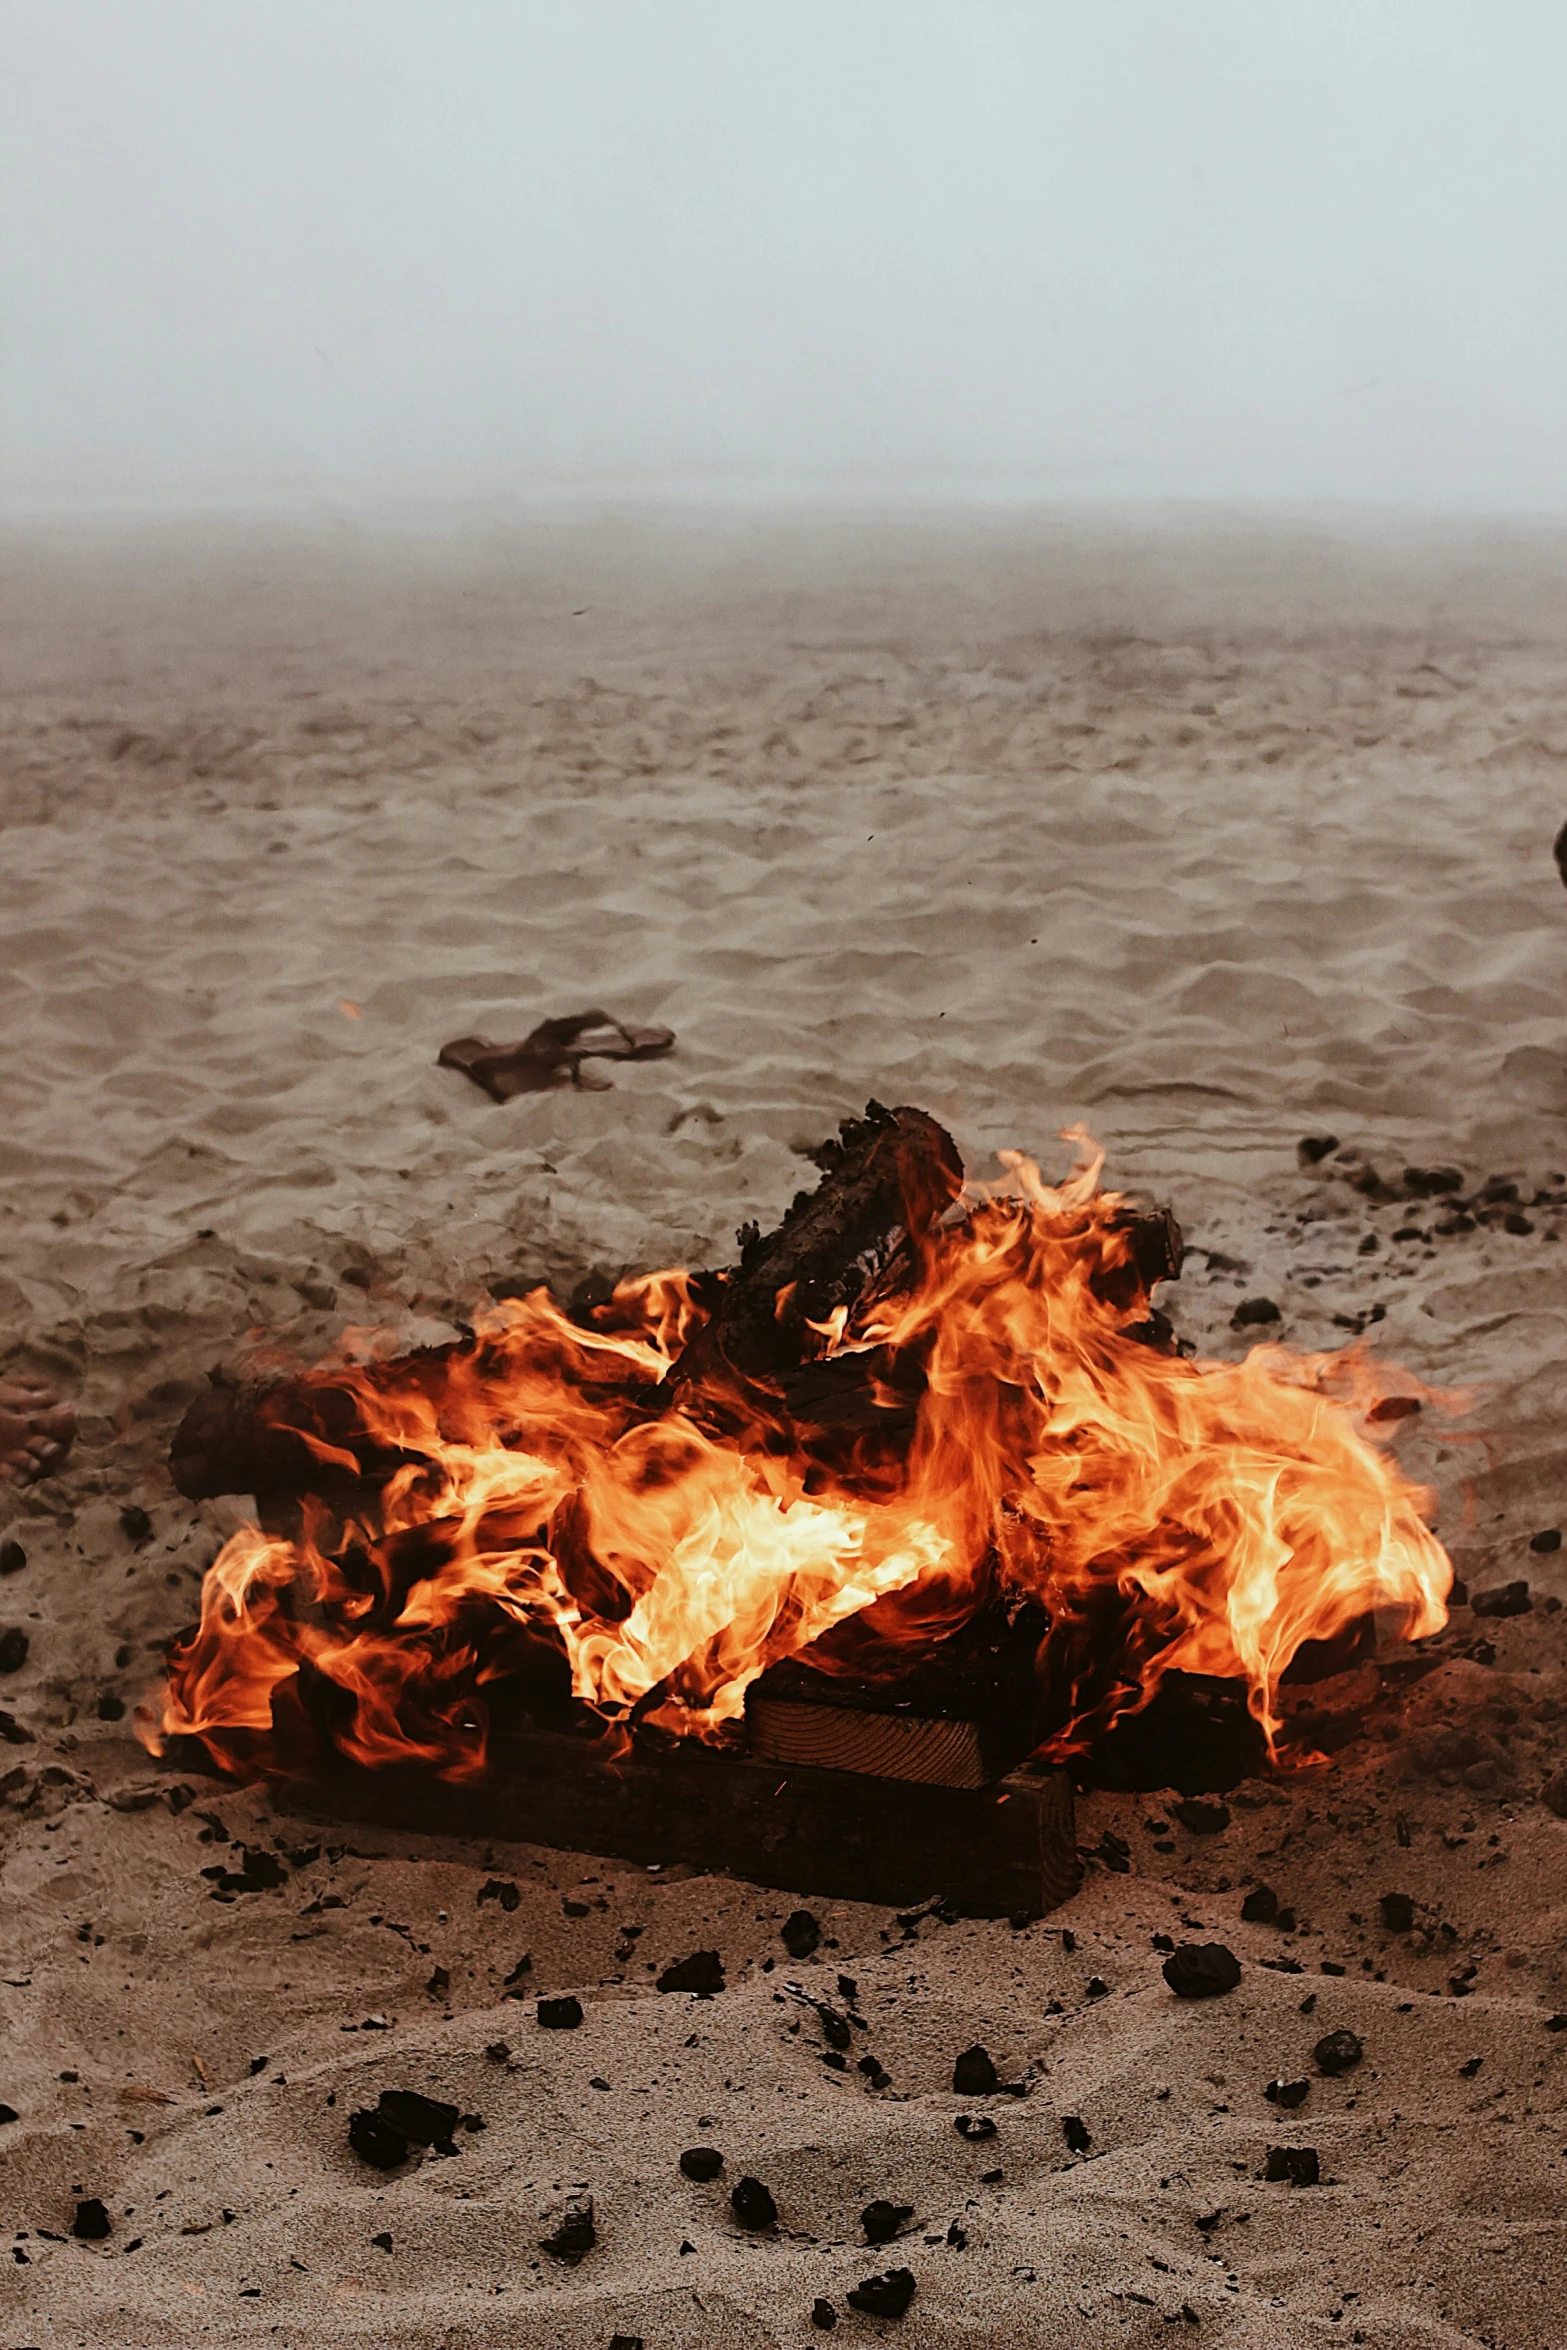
(875, 2072)
(497, 2050)
(1331, 1966)
(1289, 2094)
(888, 2295)
(974, 2125)
(1337, 2052)
(440, 1982)
(560, 2015)
(848, 1989)
(516, 1982)
(14, 1645)
(702, 1972)
(576, 1909)
(92, 2223)
(8, 2113)
(1297, 2164)
(1112, 1852)
(1097, 1987)
(625, 2342)
(383, 2242)
(1554, 1794)
(259, 1872)
(1394, 1407)
(701, 2163)
(1200, 1818)
(1075, 2131)
(1284, 1966)
(801, 1933)
(1504, 1599)
(882, 2220)
(753, 2205)
(990, 2178)
(1459, 1987)
(1253, 1312)
(835, 2027)
(1068, 1940)
(13, 1558)
(500, 1889)
(110, 1708)
(1472, 2067)
(1161, 1941)
(974, 2074)
(1201, 1970)
(576, 2236)
(135, 1524)
(1398, 1911)
(1313, 1148)
(823, 2315)
(1548, 1538)
(1516, 1221)
(258, 2064)
(1432, 1182)
(1481, 1652)
(376, 2141)
(1261, 1906)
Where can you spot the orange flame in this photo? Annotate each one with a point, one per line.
(558, 1499)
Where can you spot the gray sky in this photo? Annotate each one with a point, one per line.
(1283, 249)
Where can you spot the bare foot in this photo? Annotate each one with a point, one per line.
(35, 1431)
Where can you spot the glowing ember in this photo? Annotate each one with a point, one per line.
(992, 1411)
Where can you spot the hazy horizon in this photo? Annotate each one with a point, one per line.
(898, 249)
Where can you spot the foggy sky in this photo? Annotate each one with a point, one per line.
(1281, 249)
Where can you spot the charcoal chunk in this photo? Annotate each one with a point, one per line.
(974, 2125)
(1337, 2052)
(499, 1889)
(1261, 1906)
(823, 2315)
(421, 2119)
(14, 1645)
(974, 2075)
(576, 2235)
(1254, 1312)
(560, 2015)
(1297, 2164)
(1548, 1538)
(801, 1933)
(888, 2295)
(1313, 1148)
(702, 1972)
(701, 2163)
(882, 2220)
(1554, 1794)
(13, 1558)
(376, 2140)
(1289, 2094)
(1503, 1599)
(1201, 1970)
(753, 2205)
(92, 2223)
(1398, 1911)
(135, 1524)
(1075, 2131)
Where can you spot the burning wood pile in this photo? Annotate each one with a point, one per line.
(921, 1488)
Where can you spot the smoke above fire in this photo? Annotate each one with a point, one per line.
(608, 1512)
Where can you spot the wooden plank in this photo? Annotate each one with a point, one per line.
(888, 1746)
(1004, 1850)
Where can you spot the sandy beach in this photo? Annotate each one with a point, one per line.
(1208, 833)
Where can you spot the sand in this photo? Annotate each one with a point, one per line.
(1210, 834)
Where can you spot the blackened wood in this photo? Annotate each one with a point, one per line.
(963, 1712)
(1008, 1849)
(890, 1173)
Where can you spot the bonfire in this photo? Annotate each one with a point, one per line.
(923, 1405)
